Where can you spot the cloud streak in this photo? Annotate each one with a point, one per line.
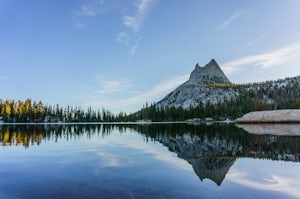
(255, 40)
(80, 25)
(264, 60)
(3, 77)
(135, 46)
(132, 103)
(155, 93)
(123, 37)
(133, 23)
(91, 9)
(112, 86)
(228, 21)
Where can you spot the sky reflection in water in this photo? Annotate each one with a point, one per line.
(155, 161)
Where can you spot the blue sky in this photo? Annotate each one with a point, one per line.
(118, 54)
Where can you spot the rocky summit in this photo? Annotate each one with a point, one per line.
(211, 73)
(206, 85)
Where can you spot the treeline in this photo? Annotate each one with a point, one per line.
(271, 95)
(32, 111)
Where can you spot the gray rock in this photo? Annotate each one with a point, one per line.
(275, 116)
(211, 73)
(198, 88)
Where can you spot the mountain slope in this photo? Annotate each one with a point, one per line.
(206, 84)
(209, 94)
(211, 73)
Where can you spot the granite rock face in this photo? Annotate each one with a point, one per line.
(211, 73)
(275, 116)
(198, 89)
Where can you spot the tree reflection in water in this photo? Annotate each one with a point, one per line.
(211, 150)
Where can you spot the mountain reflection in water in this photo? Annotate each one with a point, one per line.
(211, 150)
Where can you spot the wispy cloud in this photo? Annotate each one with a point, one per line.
(87, 10)
(3, 77)
(155, 93)
(112, 86)
(264, 60)
(133, 23)
(228, 21)
(135, 46)
(109, 159)
(136, 101)
(80, 25)
(285, 185)
(143, 5)
(123, 37)
(90, 9)
(255, 40)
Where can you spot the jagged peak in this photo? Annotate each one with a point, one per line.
(212, 62)
(198, 88)
(209, 74)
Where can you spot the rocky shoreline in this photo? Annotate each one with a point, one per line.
(275, 116)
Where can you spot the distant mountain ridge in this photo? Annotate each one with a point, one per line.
(200, 88)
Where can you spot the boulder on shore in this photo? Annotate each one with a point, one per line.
(276, 116)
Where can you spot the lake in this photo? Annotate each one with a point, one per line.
(147, 161)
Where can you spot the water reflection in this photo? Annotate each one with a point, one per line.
(211, 150)
(27, 135)
(274, 129)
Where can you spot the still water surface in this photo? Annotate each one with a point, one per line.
(146, 161)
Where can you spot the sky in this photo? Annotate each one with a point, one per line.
(120, 54)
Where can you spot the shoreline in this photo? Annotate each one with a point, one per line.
(282, 116)
(142, 123)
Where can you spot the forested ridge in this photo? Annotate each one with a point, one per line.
(270, 95)
(32, 111)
